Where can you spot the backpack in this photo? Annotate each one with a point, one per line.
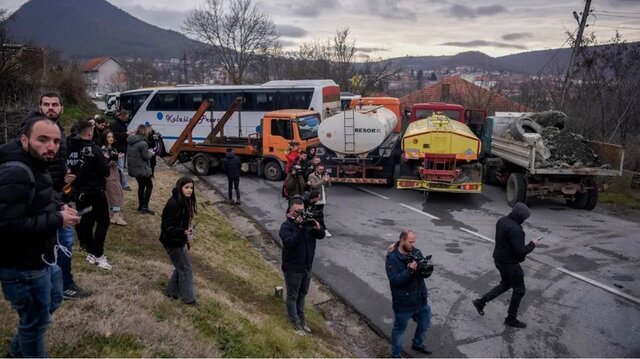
(32, 178)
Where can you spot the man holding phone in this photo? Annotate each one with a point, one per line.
(509, 252)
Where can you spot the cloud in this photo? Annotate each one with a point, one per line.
(464, 11)
(390, 9)
(291, 31)
(161, 17)
(516, 36)
(287, 43)
(313, 8)
(371, 49)
(483, 43)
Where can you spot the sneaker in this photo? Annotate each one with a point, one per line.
(148, 211)
(479, 304)
(117, 219)
(306, 328)
(515, 323)
(422, 349)
(238, 201)
(91, 259)
(75, 292)
(102, 262)
(327, 234)
(299, 330)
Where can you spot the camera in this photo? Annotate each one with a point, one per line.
(308, 218)
(425, 268)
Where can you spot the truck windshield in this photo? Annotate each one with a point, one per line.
(454, 115)
(308, 127)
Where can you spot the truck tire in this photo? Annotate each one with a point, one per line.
(272, 171)
(579, 200)
(592, 195)
(523, 125)
(516, 188)
(408, 170)
(489, 174)
(201, 165)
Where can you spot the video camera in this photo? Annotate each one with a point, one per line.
(425, 268)
(308, 217)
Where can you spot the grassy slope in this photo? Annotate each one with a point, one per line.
(128, 316)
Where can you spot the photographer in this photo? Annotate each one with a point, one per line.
(409, 292)
(298, 249)
(317, 181)
(294, 183)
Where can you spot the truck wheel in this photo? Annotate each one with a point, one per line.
(272, 171)
(408, 170)
(201, 165)
(523, 125)
(579, 201)
(516, 188)
(489, 175)
(592, 195)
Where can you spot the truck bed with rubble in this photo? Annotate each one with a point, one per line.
(535, 156)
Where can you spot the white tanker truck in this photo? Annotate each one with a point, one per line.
(361, 144)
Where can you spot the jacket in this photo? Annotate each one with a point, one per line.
(510, 246)
(293, 185)
(86, 160)
(232, 165)
(138, 157)
(176, 219)
(119, 130)
(29, 230)
(408, 288)
(291, 157)
(316, 184)
(113, 188)
(298, 246)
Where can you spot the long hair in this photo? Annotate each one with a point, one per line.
(141, 130)
(104, 137)
(192, 202)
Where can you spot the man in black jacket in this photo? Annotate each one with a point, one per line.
(29, 220)
(233, 164)
(119, 129)
(87, 161)
(298, 250)
(509, 252)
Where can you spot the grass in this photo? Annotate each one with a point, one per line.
(618, 198)
(128, 315)
(74, 113)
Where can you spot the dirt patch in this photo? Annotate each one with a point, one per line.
(568, 150)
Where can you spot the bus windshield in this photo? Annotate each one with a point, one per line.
(308, 127)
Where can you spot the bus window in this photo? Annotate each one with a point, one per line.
(259, 101)
(308, 127)
(191, 101)
(281, 128)
(131, 102)
(295, 99)
(164, 102)
(222, 100)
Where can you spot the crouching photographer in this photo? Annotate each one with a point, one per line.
(407, 269)
(298, 250)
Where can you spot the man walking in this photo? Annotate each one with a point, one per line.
(408, 293)
(232, 166)
(119, 129)
(298, 250)
(509, 252)
(29, 221)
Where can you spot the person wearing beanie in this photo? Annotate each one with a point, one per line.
(510, 250)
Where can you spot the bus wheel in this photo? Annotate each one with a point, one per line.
(201, 165)
(273, 171)
(516, 188)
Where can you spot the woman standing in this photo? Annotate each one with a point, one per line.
(176, 235)
(114, 193)
(138, 156)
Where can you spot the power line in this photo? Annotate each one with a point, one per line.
(617, 12)
(617, 27)
(618, 16)
(555, 53)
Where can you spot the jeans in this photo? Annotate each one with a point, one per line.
(35, 295)
(145, 187)
(234, 183)
(422, 317)
(511, 276)
(65, 237)
(297, 284)
(181, 283)
(98, 217)
(123, 174)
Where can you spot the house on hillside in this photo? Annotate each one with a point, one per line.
(104, 75)
(459, 91)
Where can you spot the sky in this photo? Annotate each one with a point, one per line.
(396, 28)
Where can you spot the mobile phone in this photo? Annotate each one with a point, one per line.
(539, 238)
(85, 210)
(193, 226)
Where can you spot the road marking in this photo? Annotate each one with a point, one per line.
(419, 211)
(478, 235)
(372, 193)
(570, 273)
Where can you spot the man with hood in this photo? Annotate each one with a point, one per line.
(509, 252)
(232, 165)
(87, 161)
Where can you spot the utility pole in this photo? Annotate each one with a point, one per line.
(576, 47)
(184, 67)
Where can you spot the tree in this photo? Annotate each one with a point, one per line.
(235, 33)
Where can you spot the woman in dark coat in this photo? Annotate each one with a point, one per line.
(176, 236)
(138, 165)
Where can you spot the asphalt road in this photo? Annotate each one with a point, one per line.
(583, 281)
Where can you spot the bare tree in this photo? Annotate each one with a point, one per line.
(372, 75)
(234, 31)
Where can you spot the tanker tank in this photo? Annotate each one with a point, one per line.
(366, 128)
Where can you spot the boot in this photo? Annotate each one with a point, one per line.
(118, 219)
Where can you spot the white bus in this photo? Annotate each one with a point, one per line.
(169, 109)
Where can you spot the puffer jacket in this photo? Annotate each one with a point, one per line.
(408, 288)
(510, 245)
(298, 246)
(138, 157)
(29, 230)
(86, 160)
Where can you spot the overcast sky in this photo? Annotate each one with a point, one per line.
(393, 28)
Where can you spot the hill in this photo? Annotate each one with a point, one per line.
(83, 29)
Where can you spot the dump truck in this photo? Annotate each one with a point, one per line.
(361, 144)
(262, 152)
(440, 152)
(534, 161)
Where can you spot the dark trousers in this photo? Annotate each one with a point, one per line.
(181, 282)
(511, 276)
(297, 284)
(145, 186)
(319, 211)
(234, 183)
(98, 217)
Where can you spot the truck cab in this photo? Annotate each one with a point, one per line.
(474, 119)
